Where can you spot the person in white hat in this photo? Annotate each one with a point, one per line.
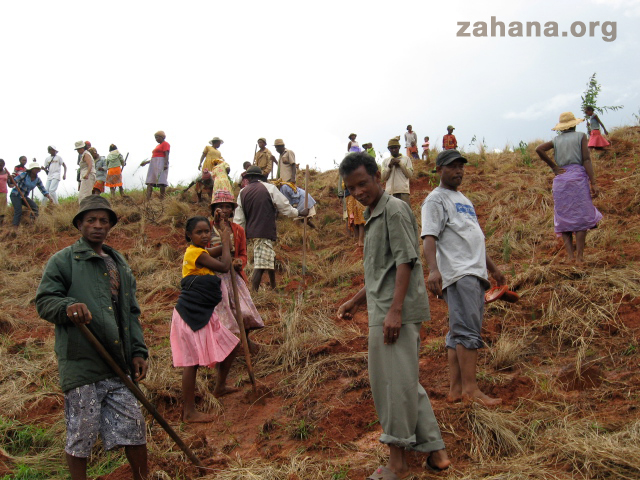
(24, 183)
(286, 162)
(52, 166)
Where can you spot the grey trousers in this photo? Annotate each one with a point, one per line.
(403, 407)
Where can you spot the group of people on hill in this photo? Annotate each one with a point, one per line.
(90, 283)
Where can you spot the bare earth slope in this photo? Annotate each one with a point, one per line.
(564, 359)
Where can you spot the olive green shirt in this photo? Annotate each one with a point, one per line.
(391, 239)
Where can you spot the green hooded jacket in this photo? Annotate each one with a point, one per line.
(77, 274)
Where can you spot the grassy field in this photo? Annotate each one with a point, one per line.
(564, 359)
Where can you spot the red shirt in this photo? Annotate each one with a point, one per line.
(160, 150)
(449, 142)
(3, 182)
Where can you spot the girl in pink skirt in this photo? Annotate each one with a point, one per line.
(596, 140)
(197, 336)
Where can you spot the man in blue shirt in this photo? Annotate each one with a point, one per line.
(26, 182)
(296, 195)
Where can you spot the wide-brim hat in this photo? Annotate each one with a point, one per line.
(33, 165)
(79, 144)
(278, 141)
(216, 139)
(94, 202)
(566, 121)
(446, 157)
(352, 135)
(222, 196)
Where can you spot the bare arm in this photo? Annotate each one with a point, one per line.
(602, 125)
(434, 282)
(349, 308)
(542, 150)
(166, 160)
(223, 265)
(204, 155)
(393, 319)
(495, 272)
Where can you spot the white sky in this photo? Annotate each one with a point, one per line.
(310, 73)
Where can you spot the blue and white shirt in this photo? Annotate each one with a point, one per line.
(24, 182)
(449, 216)
(296, 199)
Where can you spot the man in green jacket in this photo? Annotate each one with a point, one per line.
(91, 283)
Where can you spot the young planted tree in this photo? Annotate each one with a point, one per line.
(590, 97)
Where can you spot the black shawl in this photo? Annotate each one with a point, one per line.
(199, 296)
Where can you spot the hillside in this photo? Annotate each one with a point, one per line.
(564, 359)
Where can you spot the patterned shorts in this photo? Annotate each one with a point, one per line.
(106, 407)
(264, 256)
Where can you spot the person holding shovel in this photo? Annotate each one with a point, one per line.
(396, 299)
(24, 183)
(90, 283)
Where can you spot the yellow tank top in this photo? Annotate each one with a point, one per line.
(189, 263)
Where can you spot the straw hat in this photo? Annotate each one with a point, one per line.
(33, 165)
(278, 141)
(566, 121)
(94, 202)
(216, 139)
(79, 144)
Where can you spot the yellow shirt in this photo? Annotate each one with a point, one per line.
(213, 154)
(189, 262)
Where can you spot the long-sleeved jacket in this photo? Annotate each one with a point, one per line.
(77, 274)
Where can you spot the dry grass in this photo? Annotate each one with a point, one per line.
(567, 316)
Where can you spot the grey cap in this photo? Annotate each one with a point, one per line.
(446, 157)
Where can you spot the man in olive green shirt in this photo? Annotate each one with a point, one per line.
(396, 298)
(264, 158)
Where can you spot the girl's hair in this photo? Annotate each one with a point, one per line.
(589, 107)
(191, 224)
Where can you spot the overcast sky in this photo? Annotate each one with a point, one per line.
(307, 72)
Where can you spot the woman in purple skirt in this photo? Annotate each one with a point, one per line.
(574, 185)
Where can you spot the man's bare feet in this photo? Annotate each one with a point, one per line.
(453, 398)
(481, 398)
(196, 417)
(438, 460)
(221, 392)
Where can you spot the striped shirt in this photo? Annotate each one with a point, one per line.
(25, 184)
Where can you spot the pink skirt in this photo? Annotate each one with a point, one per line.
(226, 308)
(597, 140)
(205, 347)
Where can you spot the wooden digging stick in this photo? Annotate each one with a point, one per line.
(304, 230)
(138, 394)
(243, 332)
(15, 184)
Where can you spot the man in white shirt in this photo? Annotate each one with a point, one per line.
(52, 165)
(396, 171)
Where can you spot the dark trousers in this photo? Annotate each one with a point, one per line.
(17, 202)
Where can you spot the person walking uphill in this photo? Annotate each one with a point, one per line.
(158, 173)
(90, 283)
(397, 304)
(87, 170)
(573, 210)
(396, 171)
(115, 164)
(454, 248)
(24, 183)
(286, 163)
(52, 165)
(258, 203)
